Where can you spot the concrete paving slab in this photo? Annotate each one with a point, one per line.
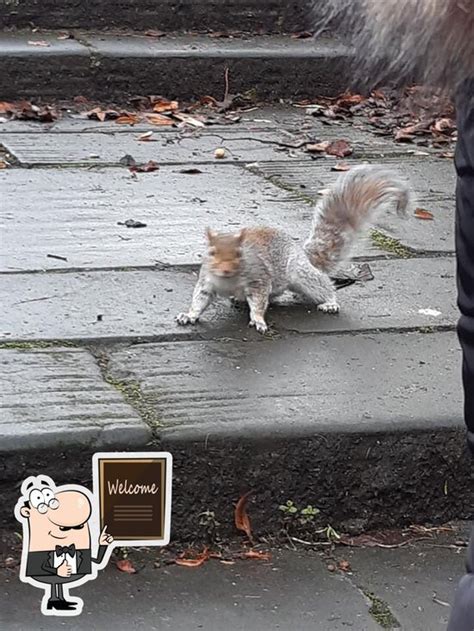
(56, 398)
(75, 141)
(417, 582)
(298, 386)
(433, 181)
(74, 214)
(143, 303)
(291, 591)
(109, 147)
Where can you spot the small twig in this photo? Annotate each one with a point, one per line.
(287, 145)
(312, 543)
(226, 80)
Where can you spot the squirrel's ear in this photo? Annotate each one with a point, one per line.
(241, 236)
(210, 235)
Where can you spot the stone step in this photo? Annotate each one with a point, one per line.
(163, 15)
(112, 67)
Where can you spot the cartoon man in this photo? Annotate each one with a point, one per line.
(57, 542)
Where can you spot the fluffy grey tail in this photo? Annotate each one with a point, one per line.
(432, 40)
(355, 201)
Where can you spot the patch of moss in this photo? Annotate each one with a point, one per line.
(389, 244)
(132, 393)
(380, 612)
(38, 344)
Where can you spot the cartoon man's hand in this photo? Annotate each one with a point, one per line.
(105, 539)
(64, 569)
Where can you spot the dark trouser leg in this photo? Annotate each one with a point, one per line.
(59, 591)
(462, 614)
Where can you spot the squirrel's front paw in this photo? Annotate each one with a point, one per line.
(185, 318)
(329, 307)
(260, 325)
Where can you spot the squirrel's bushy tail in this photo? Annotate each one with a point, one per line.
(345, 212)
(430, 40)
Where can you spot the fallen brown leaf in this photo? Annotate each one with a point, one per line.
(341, 166)
(127, 119)
(3, 164)
(150, 166)
(209, 100)
(41, 42)
(6, 108)
(163, 105)
(101, 115)
(421, 213)
(125, 565)
(158, 119)
(445, 125)
(302, 35)
(152, 33)
(447, 154)
(318, 147)
(339, 148)
(344, 566)
(196, 562)
(348, 100)
(257, 554)
(241, 518)
(146, 137)
(188, 120)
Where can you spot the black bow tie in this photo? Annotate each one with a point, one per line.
(71, 550)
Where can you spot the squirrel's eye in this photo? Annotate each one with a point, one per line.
(212, 251)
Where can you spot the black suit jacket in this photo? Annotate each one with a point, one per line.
(42, 563)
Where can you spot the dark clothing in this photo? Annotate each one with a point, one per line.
(41, 564)
(462, 614)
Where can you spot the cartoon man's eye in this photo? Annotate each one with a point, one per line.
(36, 498)
(48, 495)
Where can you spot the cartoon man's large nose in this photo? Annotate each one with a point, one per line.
(74, 509)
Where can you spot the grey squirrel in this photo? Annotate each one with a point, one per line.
(258, 264)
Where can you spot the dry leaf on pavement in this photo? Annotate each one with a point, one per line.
(150, 166)
(241, 518)
(3, 164)
(127, 119)
(318, 147)
(344, 566)
(125, 565)
(196, 562)
(340, 166)
(152, 33)
(188, 120)
(41, 42)
(339, 148)
(421, 213)
(163, 105)
(257, 554)
(158, 119)
(146, 137)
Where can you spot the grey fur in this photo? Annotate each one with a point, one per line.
(429, 40)
(271, 266)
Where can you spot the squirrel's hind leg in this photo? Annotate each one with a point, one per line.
(317, 286)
